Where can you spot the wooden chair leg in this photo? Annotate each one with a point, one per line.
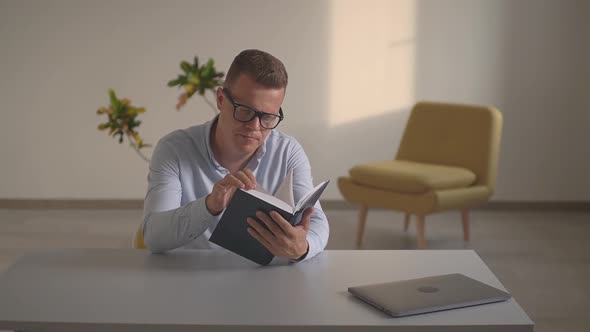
(420, 227)
(361, 226)
(407, 222)
(465, 220)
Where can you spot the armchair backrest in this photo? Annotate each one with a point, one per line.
(465, 136)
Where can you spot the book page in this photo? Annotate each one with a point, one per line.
(270, 199)
(262, 190)
(313, 195)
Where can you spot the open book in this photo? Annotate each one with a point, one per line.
(231, 231)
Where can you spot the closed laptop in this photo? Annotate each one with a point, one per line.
(436, 293)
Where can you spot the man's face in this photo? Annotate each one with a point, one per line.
(246, 137)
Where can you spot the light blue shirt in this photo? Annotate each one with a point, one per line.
(183, 172)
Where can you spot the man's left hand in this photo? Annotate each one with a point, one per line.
(283, 239)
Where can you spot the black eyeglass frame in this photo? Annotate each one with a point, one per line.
(256, 113)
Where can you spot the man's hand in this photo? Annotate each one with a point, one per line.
(283, 239)
(224, 190)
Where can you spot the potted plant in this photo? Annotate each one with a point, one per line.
(122, 117)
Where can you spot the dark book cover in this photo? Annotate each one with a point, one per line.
(231, 231)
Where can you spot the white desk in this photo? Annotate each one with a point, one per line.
(131, 290)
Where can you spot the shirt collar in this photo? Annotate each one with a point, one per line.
(252, 164)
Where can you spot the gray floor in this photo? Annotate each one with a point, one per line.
(543, 258)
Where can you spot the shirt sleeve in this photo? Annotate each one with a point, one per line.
(167, 225)
(319, 230)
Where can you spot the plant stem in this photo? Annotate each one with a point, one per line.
(137, 150)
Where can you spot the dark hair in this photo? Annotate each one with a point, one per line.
(262, 67)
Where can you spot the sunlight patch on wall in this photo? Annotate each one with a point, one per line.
(372, 58)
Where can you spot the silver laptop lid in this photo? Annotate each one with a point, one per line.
(415, 296)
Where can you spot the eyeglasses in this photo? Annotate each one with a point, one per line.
(244, 113)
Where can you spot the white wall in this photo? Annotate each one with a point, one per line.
(355, 69)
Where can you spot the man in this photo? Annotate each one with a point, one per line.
(194, 172)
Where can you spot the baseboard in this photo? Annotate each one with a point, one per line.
(330, 204)
(66, 204)
(582, 206)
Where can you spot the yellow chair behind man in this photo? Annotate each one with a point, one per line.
(137, 241)
(447, 159)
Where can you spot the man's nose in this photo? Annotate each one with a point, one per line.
(254, 123)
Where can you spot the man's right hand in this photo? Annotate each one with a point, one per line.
(224, 190)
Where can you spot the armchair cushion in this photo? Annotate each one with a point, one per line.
(411, 177)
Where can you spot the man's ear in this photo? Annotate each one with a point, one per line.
(219, 98)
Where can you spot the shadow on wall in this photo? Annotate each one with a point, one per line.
(368, 139)
(370, 87)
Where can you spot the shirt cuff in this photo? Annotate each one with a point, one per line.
(302, 258)
(201, 218)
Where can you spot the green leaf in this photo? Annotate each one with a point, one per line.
(208, 71)
(181, 79)
(193, 78)
(185, 66)
(114, 101)
(206, 74)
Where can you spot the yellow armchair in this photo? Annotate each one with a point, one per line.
(447, 159)
(137, 240)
